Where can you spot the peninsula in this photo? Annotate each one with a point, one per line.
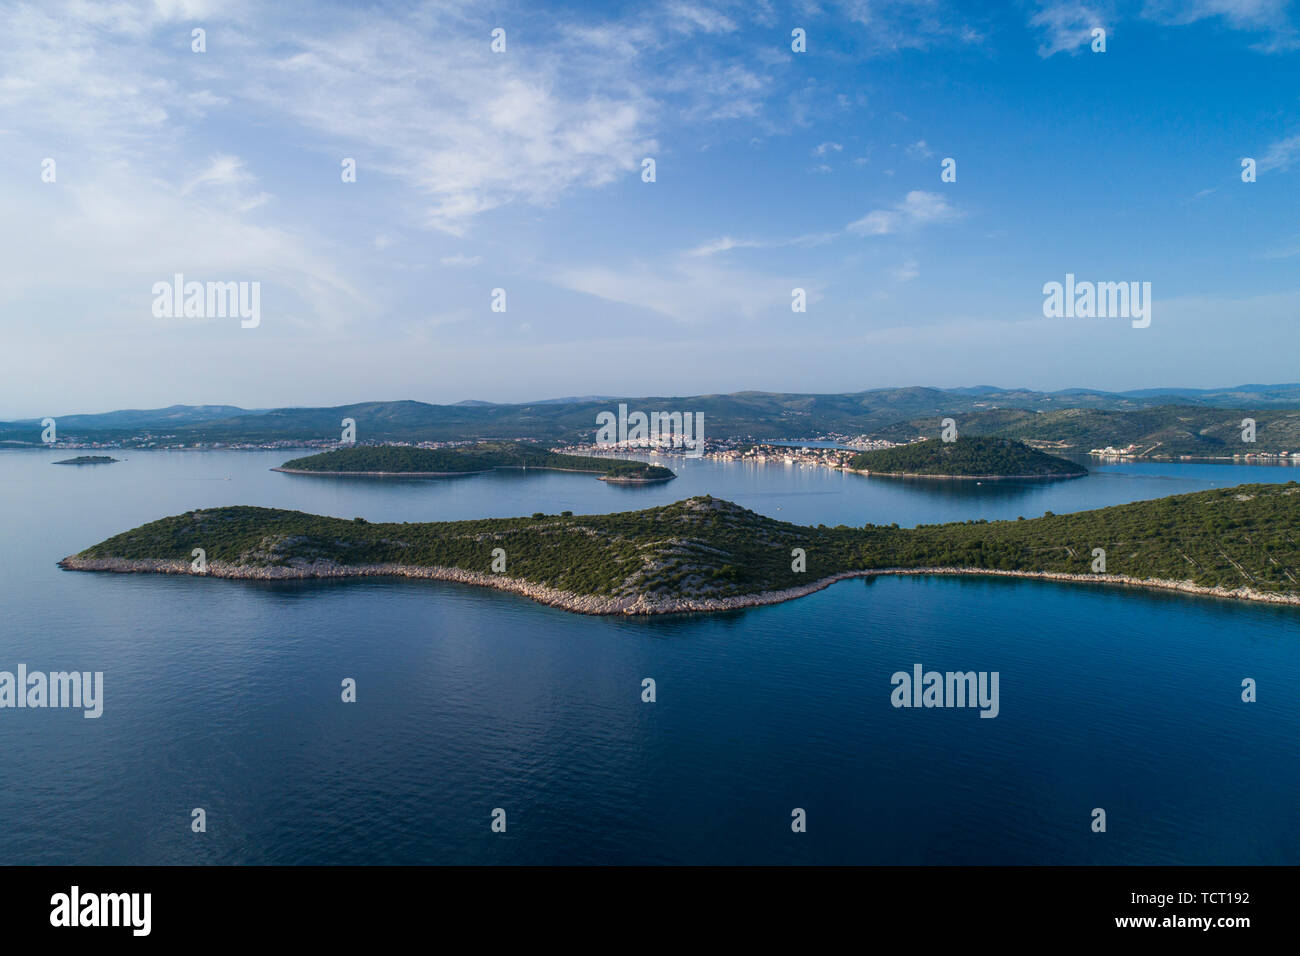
(402, 461)
(976, 457)
(707, 554)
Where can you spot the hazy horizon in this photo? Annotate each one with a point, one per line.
(593, 397)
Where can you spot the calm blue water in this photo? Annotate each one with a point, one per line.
(225, 695)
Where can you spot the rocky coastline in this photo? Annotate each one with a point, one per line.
(641, 604)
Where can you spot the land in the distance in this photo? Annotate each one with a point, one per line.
(383, 461)
(964, 457)
(707, 554)
(87, 460)
(1149, 423)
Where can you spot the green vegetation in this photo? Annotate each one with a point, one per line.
(1166, 431)
(1205, 423)
(709, 548)
(967, 457)
(87, 460)
(467, 459)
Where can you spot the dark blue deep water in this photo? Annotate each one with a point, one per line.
(225, 695)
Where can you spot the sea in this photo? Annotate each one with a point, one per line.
(771, 739)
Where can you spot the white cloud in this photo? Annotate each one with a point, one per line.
(689, 290)
(1067, 25)
(691, 18)
(221, 171)
(877, 223)
(115, 235)
(469, 129)
(893, 25)
(1270, 17)
(1280, 155)
(918, 208)
(460, 261)
(725, 244)
(907, 271)
(472, 132)
(717, 91)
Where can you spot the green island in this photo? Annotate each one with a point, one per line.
(707, 554)
(87, 460)
(968, 457)
(382, 461)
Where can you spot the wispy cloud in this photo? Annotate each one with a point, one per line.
(1281, 155)
(920, 150)
(1285, 251)
(471, 133)
(918, 208)
(893, 25)
(1067, 25)
(907, 271)
(696, 18)
(221, 171)
(1271, 18)
(725, 244)
(691, 291)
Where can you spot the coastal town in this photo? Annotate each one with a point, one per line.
(1134, 452)
(825, 451)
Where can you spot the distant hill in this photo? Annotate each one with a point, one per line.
(1166, 431)
(171, 416)
(894, 413)
(967, 457)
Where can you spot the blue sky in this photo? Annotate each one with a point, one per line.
(521, 170)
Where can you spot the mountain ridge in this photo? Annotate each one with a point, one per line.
(1199, 424)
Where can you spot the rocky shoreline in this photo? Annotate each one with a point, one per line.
(638, 604)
